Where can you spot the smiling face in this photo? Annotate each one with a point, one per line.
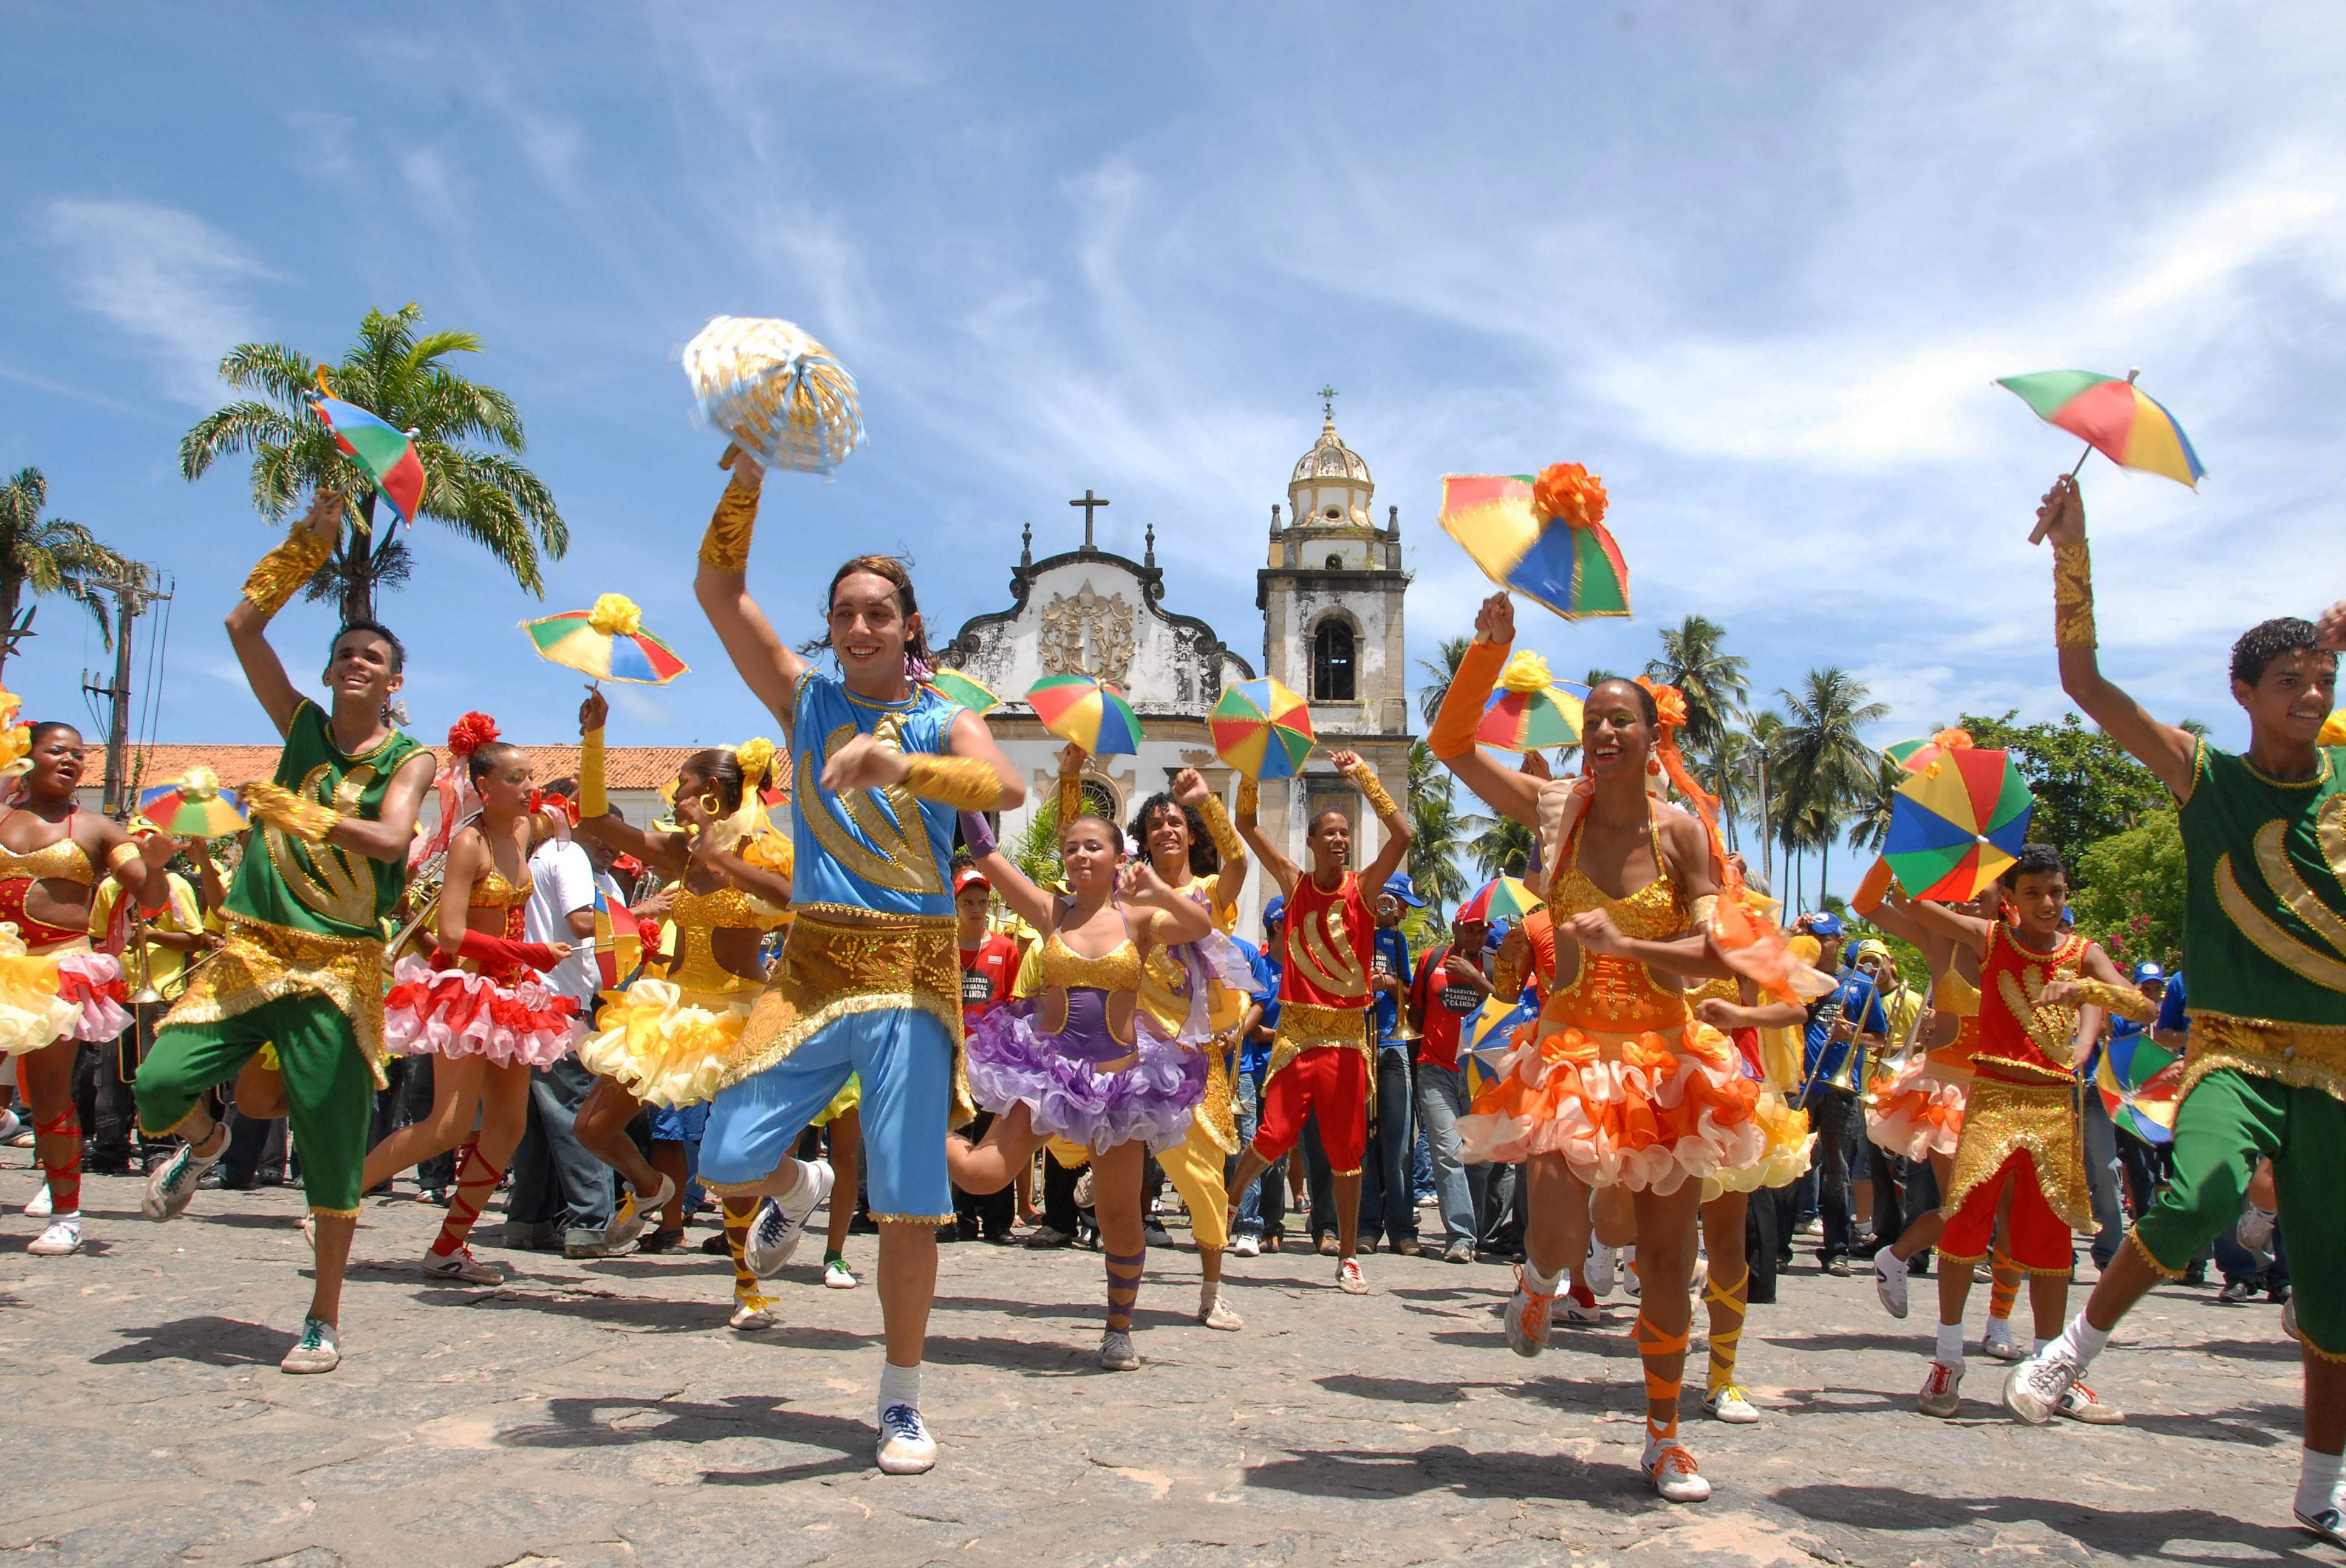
(2291, 698)
(57, 759)
(868, 628)
(360, 671)
(2037, 898)
(1329, 840)
(1168, 838)
(1089, 851)
(1615, 736)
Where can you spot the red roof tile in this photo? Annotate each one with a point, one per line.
(624, 768)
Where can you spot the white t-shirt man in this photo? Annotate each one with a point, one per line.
(562, 883)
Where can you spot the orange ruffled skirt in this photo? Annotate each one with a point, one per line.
(1920, 1112)
(1649, 1112)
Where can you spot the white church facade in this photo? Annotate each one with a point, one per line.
(1331, 593)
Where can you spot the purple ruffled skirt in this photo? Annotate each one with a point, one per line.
(1053, 1075)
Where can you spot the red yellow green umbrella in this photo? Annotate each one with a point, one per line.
(607, 642)
(1500, 897)
(1542, 537)
(1262, 730)
(1089, 712)
(2113, 417)
(1958, 823)
(1530, 710)
(971, 692)
(2137, 1097)
(194, 807)
(1916, 756)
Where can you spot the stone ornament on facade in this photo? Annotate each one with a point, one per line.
(1088, 633)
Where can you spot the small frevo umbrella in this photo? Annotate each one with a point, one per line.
(1089, 712)
(1263, 729)
(776, 392)
(1542, 537)
(2113, 417)
(2132, 1091)
(607, 642)
(1530, 710)
(386, 452)
(967, 690)
(194, 806)
(1500, 899)
(1957, 825)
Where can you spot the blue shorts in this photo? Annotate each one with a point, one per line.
(905, 1058)
(679, 1124)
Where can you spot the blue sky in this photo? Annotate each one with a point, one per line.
(1755, 264)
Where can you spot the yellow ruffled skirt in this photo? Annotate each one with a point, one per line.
(1789, 1146)
(665, 1045)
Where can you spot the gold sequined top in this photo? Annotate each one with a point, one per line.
(1620, 995)
(698, 916)
(62, 861)
(1119, 969)
(494, 892)
(1951, 992)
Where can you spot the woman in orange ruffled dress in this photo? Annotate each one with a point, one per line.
(1614, 1084)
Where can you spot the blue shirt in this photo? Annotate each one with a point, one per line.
(1858, 995)
(1254, 1055)
(881, 850)
(1393, 948)
(2171, 1005)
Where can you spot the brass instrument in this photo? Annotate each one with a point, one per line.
(146, 995)
(424, 890)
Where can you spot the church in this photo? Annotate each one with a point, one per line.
(1331, 592)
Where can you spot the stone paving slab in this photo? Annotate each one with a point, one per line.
(602, 1413)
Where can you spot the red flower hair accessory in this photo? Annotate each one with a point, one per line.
(1570, 493)
(470, 733)
(1670, 703)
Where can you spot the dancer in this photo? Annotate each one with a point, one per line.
(1613, 1084)
(2264, 944)
(480, 1008)
(666, 1041)
(1324, 1059)
(867, 984)
(55, 991)
(302, 967)
(1918, 1113)
(1181, 832)
(2020, 1133)
(1084, 1062)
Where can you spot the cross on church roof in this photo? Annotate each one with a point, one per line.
(1090, 504)
(1327, 400)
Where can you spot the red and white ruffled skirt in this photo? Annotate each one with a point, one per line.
(1920, 1112)
(451, 1012)
(1649, 1112)
(67, 993)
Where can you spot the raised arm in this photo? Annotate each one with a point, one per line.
(1190, 789)
(1392, 816)
(1027, 901)
(274, 580)
(666, 853)
(1283, 871)
(1937, 920)
(770, 666)
(2167, 750)
(757, 877)
(1512, 794)
(2105, 987)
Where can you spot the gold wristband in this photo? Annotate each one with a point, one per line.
(2119, 1001)
(594, 800)
(1071, 797)
(1364, 780)
(1218, 827)
(726, 546)
(965, 783)
(2073, 597)
(288, 812)
(277, 576)
(118, 854)
(1703, 907)
(1249, 797)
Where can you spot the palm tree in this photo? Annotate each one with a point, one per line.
(1766, 733)
(1827, 770)
(1870, 827)
(468, 437)
(51, 555)
(1712, 680)
(1439, 673)
(1502, 847)
(1439, 832)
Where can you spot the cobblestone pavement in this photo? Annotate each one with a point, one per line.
(602, 1413)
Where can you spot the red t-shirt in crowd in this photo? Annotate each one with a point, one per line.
(1447, 1004)
(986, 971)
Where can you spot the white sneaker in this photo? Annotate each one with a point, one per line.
(1116, 1351)
(173, 1186)
(1889, 1279)
(780, 1223)
(837, 1275)
(8, 1124)
(319, 1350)
(1629, 1280)
(2255, 1230)
(39, 1207)
(1083, 1194)
(752, 1312)
(62, 1238)
(1943, 1388)
(1246, 1246)
(634, 1213)
(1570, 1310)
(2037, 1386)
(1671, 1472)
(2079, 1404)
(1350, 1280)
(1999, 1342)
(1218, 1313)
(1731, 1405)
(1602, 1272)
(461, 1266)
(1527, 1318)
(906, 1446)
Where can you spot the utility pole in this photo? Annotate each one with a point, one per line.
(131, 598)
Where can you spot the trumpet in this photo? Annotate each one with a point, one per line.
(424, 890)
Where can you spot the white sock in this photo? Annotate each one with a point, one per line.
(2082, 1341)
(1545, 1284)
(1950, 1352)
(2318, 1485)
(899, 1386)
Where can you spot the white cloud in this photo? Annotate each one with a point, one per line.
(170, 283)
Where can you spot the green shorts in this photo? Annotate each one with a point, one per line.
(2228, 1120)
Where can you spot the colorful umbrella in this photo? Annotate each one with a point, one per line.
(618, 943)
(1955, 826)
(955, 687)
(607, 642)
(1262, 730)
(2137, 1099)
(1091, 713)
(2113, 417)
(1916, 756)
(1500, 897)
(386, 452)
(1488, 1033)
(1531, 710)
(1544, 538)
(776, 392)
(194, 807)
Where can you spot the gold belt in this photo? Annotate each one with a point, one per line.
(2307, 1055)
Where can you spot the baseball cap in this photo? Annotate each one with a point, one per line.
(2148, 971)
(968, 875)
(1399, 887)
(1824, 924)
(1869, 948)
(1272, 912)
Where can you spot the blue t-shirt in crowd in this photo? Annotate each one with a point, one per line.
(2171, 1005)
(1254, 1055)
(1856, 990)
(1392, 949)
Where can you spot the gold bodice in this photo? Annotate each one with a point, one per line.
(494, 892)
(1119, 969)
(62, 861)
(1951, 992)
(1620, 995)
(698, 916)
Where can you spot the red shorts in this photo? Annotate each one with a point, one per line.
(2035, 1237)
(1331, 1080)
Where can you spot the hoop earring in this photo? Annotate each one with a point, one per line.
(710, 804)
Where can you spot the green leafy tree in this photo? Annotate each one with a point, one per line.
(1501, 846)
(468, 437)
(2088, 788)
(1439, 831)
(2130, 891)
(50, 555)
(1439, 673)
(1828, 771)
(1036, 850)
(1713, 681)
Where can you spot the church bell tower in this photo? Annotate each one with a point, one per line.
(1332, 631)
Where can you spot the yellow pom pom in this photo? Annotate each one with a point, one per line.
(614, 615)
(1526, 672)
(199, 784)
(756, 757)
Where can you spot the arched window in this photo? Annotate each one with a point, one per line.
(1331, 661)
(1335, 560)
(1099, 799)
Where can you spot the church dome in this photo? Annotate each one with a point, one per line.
(1331, 459)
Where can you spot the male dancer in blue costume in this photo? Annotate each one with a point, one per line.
(869, 982)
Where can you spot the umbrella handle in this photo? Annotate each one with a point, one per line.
(2037, 536)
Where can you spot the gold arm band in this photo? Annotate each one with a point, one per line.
(966, 783)
(116, 856)
(1071, 797)
(1703, 907)
(2073, 597)
(1218, 827)
(1249, 797)
(593, 799)
(2119, 1001)
(1364, 778)
(284, 809)
(277, 576)
(726, 546)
